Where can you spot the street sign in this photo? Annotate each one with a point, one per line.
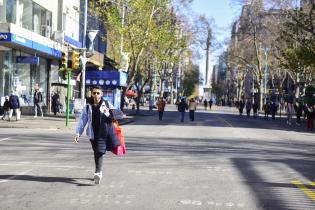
(28, 59)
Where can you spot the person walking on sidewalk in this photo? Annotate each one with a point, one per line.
(55, 103)
(205, 104)
(192, 108)
(100, 129)
(38, 100)
(182, 106)
(161, 106)
(6, 108)
(248, 108)
(298, 111)
(255, 109)
(14, 106)
(310, 112)
(210, 104)
(273, 110)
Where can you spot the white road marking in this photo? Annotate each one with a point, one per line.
(13, 177)
(4, 139)
(45, 165)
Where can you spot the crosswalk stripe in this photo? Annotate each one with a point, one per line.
(303, 188)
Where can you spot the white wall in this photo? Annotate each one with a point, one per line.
(71, 18)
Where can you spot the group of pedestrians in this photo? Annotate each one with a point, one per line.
(206, 103)
(12, 105)
(271, 108)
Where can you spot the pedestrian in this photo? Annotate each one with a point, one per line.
(241, 107)
(298, 111)
(267, 109)
(205, 104)
(248, 108)
(6, 108)
(14, 106)
(310, 116)
(210, 103)
(55, 103)
(38, 100)
(182, 106)
(160, 106)
(100, 129)
(255, 109)
(192, 108)
(273, 110)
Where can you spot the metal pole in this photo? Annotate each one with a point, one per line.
(84, 53)
(265, 74)
(68, 98)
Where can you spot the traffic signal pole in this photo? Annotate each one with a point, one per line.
(68, 97)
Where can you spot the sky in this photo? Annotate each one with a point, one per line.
(224, 12)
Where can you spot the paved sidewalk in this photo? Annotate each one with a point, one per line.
(56, 122)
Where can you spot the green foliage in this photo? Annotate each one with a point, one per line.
(190, 80)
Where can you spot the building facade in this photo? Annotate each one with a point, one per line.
(33, 35)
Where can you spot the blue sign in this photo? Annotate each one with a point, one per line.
(5, 37)
(106, 78)
(27, 59)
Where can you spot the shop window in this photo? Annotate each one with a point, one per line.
(5, 73)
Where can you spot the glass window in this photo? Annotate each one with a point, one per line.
(21, 80)
(11, 11)
(5, 73)
(27, 14)
(41, 20)
(39, 78)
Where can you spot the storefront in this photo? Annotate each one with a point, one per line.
(26, 60)
(110, 81)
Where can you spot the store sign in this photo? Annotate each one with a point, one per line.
(4, 36)
(27, 59)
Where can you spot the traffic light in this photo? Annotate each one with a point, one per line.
(75, 60)
(64, 60)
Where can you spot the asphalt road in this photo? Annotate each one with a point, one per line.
(219, 161)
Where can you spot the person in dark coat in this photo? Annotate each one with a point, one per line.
(298, 107)
(310, 112)
(248, 108)
(205, 104)
(182, 106)
(100, 129)
(273, 110)
(241, 107)
(267, 109)
(55, 103)
(210, 103)
(6, 108)
(14, 106)
(255, 109)
(38, 100)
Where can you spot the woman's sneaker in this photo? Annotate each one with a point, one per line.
(97, 177)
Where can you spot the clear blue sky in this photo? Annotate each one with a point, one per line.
(224, 12)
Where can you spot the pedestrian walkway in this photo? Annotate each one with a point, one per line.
(49, 122)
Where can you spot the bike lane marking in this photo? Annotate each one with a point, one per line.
(304, 189)
(13, 177)
(226, 122)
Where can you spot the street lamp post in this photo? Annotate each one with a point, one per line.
(265, 74)
(83, 59)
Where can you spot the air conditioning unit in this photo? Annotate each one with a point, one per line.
(58, 36)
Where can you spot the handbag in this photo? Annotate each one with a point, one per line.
(121, 149)
(116, 114)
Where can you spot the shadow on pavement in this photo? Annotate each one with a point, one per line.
(47, 179)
